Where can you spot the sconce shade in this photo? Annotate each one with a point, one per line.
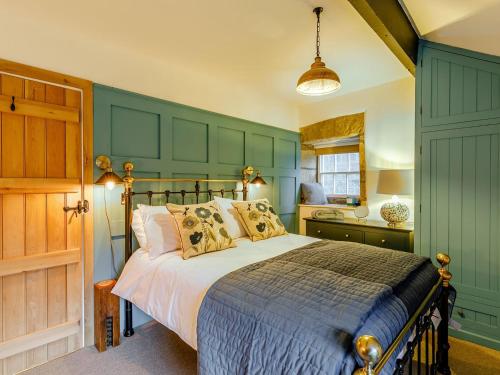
(109, 177)
(395, 182)
(258, 180)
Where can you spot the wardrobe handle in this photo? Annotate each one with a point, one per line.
(383, 241)
(319, 231)
(347, 235)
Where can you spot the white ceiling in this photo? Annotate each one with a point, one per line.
(264, 45)
(470, 24)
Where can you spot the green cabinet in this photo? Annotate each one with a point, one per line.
(457, 179)
(375, 233)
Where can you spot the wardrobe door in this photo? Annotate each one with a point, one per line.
(460, 216)
(458, 89)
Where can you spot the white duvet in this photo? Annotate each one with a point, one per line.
(171, 289)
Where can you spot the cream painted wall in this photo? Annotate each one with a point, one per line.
(389, 130)
(113, 65)
(389, 108)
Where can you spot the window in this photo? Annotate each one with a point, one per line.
(339, 174)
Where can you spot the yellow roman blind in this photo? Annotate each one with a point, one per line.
(334, 128)
(337, 150)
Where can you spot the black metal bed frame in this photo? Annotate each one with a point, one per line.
(419, 326)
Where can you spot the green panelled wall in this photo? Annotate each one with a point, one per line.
(165, 139)
(457, 171)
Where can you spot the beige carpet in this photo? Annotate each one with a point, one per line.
(152, 350)
(156, 350)
(470, 359)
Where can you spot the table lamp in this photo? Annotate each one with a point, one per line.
(395, 182)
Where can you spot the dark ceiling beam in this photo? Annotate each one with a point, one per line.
(388, 19)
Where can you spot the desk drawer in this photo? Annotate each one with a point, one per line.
(333, 232)
(388, 240)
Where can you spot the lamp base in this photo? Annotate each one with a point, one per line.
(394, 213)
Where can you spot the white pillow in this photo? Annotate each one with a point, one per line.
(160, 228)
(231, 217)
(138, 228)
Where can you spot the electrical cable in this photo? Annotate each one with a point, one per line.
(110, 235)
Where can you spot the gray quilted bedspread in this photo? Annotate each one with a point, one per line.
(301, 312)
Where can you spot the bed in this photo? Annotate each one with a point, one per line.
(206, 303)
(161, 289)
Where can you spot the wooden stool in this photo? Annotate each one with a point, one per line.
(106, 315)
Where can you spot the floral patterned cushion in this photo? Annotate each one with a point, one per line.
(201, 228)
(259, 219)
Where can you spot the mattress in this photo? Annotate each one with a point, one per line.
(171, 289)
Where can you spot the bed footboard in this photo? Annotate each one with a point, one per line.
(436, 356)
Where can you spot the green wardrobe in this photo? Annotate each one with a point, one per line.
(457, 179)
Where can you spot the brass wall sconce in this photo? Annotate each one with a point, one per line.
(108, 178)
(257, 180)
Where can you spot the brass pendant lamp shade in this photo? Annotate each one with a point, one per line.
(319, 80)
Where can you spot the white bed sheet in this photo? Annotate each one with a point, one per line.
(171, 289)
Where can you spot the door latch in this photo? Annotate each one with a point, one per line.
(80, 208)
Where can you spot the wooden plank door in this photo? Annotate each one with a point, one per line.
(40, 243)
(460, 208)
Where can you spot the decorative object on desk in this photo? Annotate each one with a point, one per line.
(106, 315)
(361, 212)
(328, 214)
(395, 182)
(337, 200)
(353, 201)
(312, 193)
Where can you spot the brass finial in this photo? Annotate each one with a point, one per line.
(128, 179)
(444, 259)
(128, 167)
(247, 171)
(370, 351)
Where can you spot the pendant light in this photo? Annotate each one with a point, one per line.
(319, 80)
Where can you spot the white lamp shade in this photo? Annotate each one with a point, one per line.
(317, 87)
(395, 182)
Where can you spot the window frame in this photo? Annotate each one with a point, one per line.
(358, 173)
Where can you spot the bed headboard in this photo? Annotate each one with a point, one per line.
(193, 195)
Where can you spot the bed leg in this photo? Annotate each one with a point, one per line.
(127, 201)
(370, 351)
(442, 365)
(129, 330)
